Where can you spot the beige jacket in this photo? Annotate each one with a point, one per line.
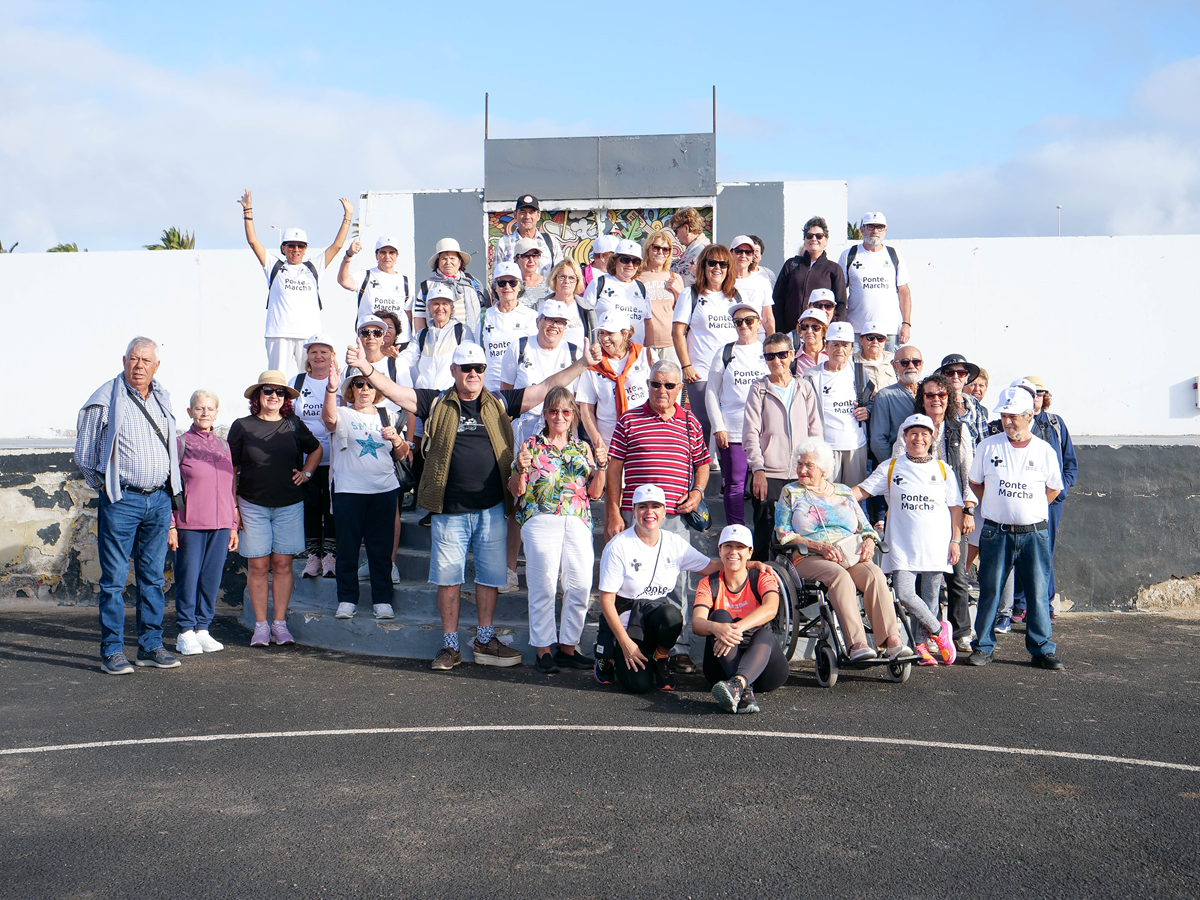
(769, 433)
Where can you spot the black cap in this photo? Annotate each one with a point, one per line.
(957, 359)
(528, 200)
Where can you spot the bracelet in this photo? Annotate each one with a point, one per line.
(909, 324)
(368, 377)
(330, 390)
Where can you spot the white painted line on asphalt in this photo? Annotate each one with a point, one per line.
(608, 729)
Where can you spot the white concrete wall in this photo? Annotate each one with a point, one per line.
(1109, 323)
(804, 199)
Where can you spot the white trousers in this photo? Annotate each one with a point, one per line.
(554, 544)
(286, 355)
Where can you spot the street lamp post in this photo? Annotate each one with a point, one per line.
(1060, 220)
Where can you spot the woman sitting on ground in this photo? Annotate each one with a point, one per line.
(733, 611)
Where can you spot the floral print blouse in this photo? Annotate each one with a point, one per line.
(825, 519)
(557, 480)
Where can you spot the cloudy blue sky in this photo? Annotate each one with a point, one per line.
(121, 118)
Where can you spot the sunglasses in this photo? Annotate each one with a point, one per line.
(743, 251)
(824, 307)
(716, 264)
(664, 385)
(957, 373)
(910, 363)
(657, 249)
(360, 384)
(777, 354)
(371, 332)
(628, 260)
(875, 338)
(1041, 393)
(936, 396)
(478, 368)
(273, 391)
(747, 320)
(506, 282)
(811, 326)
(558, 412)
(814, 236)
(532, 254)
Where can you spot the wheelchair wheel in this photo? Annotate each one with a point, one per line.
(826, 665)
(899, 672)
(784, 625)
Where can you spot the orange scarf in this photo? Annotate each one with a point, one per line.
(604, 367)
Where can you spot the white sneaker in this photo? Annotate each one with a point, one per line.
(511, 584)
(187, 644)
(395, 575)
(208, 643)
(964, 644)
(384, 611)
(364, 572)
(345, 611)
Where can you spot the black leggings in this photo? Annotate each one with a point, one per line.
(762, 663)
(319, 531)
(661, 627)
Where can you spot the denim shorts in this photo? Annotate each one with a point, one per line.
(270, 529)
(483, 532)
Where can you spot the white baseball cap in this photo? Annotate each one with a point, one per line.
(872, 327)
(293, 235)
(628, 248)
(524, 245)
(917, 420)
(740, 240)
(466, 354)
(1026, 385)
(614, 320)
(555, 309)
(742, 304)
(606, 243)
(371, 320)
(815, 313)
(822, 295)
(1014, 401)
(321, 338)
(737, 534)
(387, 241)
(507, 268)
(438, 289)
(873, 218)
(840, 331)
(649, 493)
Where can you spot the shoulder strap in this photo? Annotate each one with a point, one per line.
(392, 368)
(727, 355)
(421, 339)
(942, 466)
(641, 287)
(316, 281)
(714, 586)
(573, 350)
(383, 416)
(1056, 425)
(458, 332)
(298, 381)
(754, 587)
(271, 279)
(895, 265)
(599, 286)
(850, 258)
(521, 345)
(363, 288)
(891, 469)
(182, 444)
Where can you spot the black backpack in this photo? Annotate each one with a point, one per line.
(891, 252)
(458, 336)
(278, 267)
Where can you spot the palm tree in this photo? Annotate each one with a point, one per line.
(174, 239)
(10, 249)
(853, 232)
(64, 248)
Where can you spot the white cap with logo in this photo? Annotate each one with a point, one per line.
(917, 420)
(628, 248)
(555, 309)
(438, 290)
(293, 236)
(466, 354)
(387, 241)
(1014, 402)
(321, 338)
(606, 243)
(614, 320)
(873, 218)
(840, 331)
(815, 313)
(742, 240)
(507, 268)
(372, 322)
(649, 493)
(872, 327)
(822, 295)
(736, 534)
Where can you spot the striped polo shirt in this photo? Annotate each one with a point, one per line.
(658, 452)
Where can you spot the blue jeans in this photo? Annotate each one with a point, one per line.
(482, 532)
(1056, 509)
(199, 565)
(135, 526)
(1001, 552)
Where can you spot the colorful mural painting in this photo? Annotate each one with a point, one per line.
(577, 229)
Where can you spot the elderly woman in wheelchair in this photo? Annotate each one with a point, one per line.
(833, 544)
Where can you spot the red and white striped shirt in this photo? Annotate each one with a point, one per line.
(654, 451)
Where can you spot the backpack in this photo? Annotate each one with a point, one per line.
(363, 289)
(278, 267)
(524, 342)
(853, 252)
(458, 336)
(892, 468)
(600, 286)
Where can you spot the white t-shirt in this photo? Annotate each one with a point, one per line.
(728, 388)
(709, 326)
(385, 291)
(499, 329)
(919, 497)
(595, 388)
(626, 296)
(535, 367)
(871, 283)
(308, 407)
(835, 393)
(293, 305)
(1015, 479)
(631, 569)
(362, 459)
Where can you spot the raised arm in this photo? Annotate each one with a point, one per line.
(536, 393)
(329, 413)
(248, 220)
(344, 277)
(336, 247)
(404, 397)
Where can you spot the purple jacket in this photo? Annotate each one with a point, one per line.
(207, 472)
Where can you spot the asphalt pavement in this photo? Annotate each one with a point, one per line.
(791, 804)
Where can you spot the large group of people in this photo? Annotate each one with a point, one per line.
(509, 406)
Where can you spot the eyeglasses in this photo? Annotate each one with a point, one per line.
(664, 385)
(566, 276)
(558, 412)
(941, 396)
(825, 306)
(873, 227)
(506, 282)
(294, 245)
(957, 373)
(716, 264)
(371, 332)
(814, 236)
(745, 320)
(273, 391)
(387, 251)
(743, 251)
(778, 354)
(478, 368)
(532, 254)
(910, 363)
(876, 338)
(555, 323)
(810, 326)
(359, 383)
(628, 260)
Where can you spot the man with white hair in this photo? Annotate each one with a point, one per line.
(659, 443)
(877, 283)
(1016, 477)
(894, 403)
(293, 287)
(125, 447)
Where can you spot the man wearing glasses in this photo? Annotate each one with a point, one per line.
(529, 211)
(805, 273)
(894, 403)
(877, 283)
(659, 443)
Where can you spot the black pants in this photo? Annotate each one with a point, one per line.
(368, 519)
(319, 527)
(761, 662)
(958, 596)
(661, 627)
(764, 518)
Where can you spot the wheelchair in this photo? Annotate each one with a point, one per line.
(806, 614)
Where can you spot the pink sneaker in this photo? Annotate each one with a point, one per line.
(944, 640)
(328, 566)
(262, 635)
(927, 658)
(312, 568)
(280, 633)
